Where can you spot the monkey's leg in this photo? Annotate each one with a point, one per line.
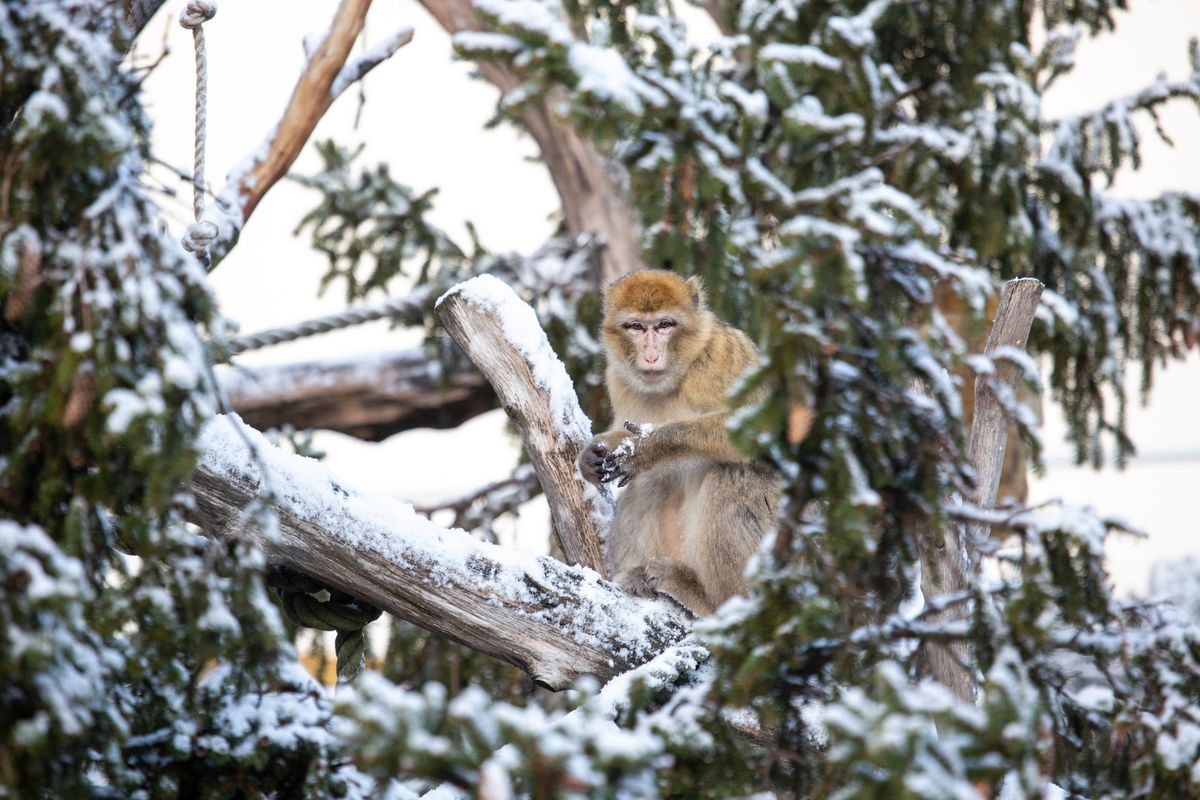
(672, 578)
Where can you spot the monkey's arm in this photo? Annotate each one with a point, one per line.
(623, 454)
(704, 436)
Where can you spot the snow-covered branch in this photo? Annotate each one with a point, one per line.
(554, 621)
(324, 77)
(501, 335)
(370, 397)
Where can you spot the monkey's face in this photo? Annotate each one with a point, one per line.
(648, 350)
(653, 329)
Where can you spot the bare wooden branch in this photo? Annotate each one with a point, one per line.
(551, 442)
(554, 621)
(590, 188)
(989, 429)
(370, 398)
(950, 563)
(323, 79)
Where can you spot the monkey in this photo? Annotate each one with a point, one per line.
(696, 508)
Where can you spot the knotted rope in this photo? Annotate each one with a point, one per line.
(299, 595)
(201, 233)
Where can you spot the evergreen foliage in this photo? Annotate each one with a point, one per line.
(137, 659)
(844, 174)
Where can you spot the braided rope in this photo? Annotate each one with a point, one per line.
(412, 303)
(340, 612)
(200, 234)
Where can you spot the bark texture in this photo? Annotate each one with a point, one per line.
(950, 562)
(369, 398)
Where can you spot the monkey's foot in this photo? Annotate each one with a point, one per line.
(667, 578)
(636, 581)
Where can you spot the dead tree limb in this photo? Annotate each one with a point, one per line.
(325, 77)
(371, 397)
(554, 621)
(592, 195)
(501, 335)
(950, 563)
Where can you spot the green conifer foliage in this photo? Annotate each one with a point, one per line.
(136, 658)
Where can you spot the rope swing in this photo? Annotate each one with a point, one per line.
(306, 601)
(201, 233)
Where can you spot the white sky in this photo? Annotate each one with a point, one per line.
(425, 116)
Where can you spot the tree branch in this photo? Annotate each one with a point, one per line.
(501, 335)
(592, 197)
(554, 621)
(138, 13)
(324, 78)
(370, 397)
(950, 563)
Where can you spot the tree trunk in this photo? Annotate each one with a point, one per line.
(554, 621)
(589, 185)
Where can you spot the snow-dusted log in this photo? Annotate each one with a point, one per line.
(324, 77)
(554, 621)
(369, 397)
(950, 563)
(592, 197)
(500, 333)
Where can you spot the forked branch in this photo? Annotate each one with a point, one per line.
(556, 622)
(501, 335)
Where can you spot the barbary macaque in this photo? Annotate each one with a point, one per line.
(696, 508)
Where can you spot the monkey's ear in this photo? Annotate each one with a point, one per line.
(695, 286)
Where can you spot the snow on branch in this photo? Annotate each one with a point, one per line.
(324, 77)
(554, 621)
(500, 333)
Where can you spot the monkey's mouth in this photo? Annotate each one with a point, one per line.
(652, 374)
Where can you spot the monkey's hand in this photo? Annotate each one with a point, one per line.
(591, 458)
(611, 455)
(625, 460)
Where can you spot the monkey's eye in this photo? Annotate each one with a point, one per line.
(635, 326)
(664, 324)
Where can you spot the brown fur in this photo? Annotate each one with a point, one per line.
(696, 508)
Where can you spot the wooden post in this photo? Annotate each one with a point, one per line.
(950, 563)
